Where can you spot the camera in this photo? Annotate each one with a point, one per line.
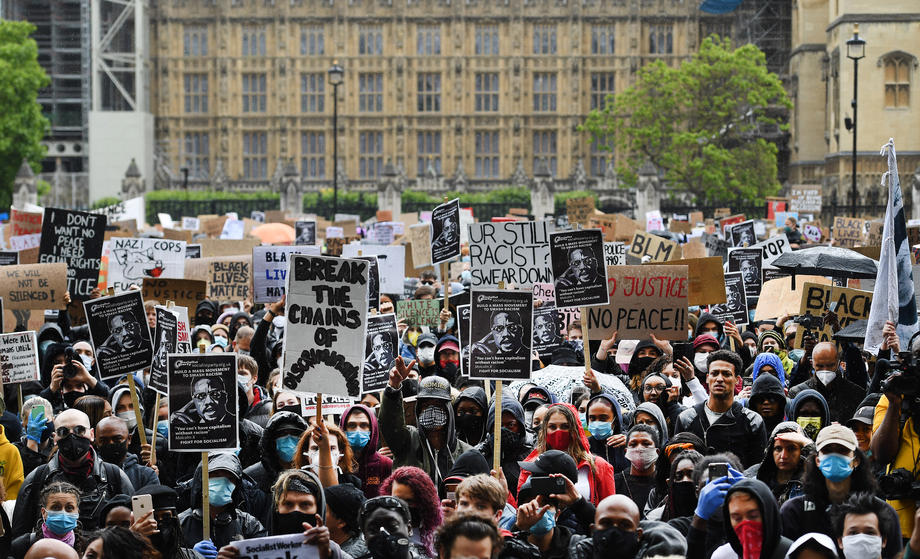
(69, 370)
(810, 321)
(907, 382)
(899, 485)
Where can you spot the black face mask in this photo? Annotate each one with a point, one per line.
(683, 498)
(168, 537)
(469, 427)
(511, 440)
(449, 371)
(113, 453)
(74, 448)
(291, 522)
(388, 546)
(70, 398)
(624, 542)
(639, 365)
(293, 409)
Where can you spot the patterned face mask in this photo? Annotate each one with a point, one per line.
(432, 418)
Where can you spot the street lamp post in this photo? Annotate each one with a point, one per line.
(856, 49)
(336, 76)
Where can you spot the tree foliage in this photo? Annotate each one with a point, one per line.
(698, 123)
(22, 125)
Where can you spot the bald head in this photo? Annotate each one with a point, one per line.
(47, 548)
(71, 419)
(824, 357)
(617, 511)
(112, 424)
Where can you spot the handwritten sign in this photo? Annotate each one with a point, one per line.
(811, 232)
(512, 252)
(25, 242)
(848, 231)
(655, 248)
(33, 286)
(706, 277)
(228, 278)
(579, 209)
(419, 312)
(851, 305)
(185, 293)
(644, 300)
(25, 223)
(132, 260)
(19, 357)
(74, 238)
(805, 198)
(270, 267)
(773, 248)
(614, 254)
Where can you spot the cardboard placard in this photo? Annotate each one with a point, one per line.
(381, 346)
(656, 248)
(204, 413)
(706, 277)
(578, 268)
(579, 210)
(33, 286)
(848, 231)
(326, 313)
(177, 235)
(184, 292)
(131, 260)
(873, 232)
(270, 266)
(777, 298)
(516, 253)
(805, 198)
(228, 277)
(644, 300)
(617, 227)
(25, 223)
(419, 312)
(275, 216)
(384, 215)
(213, 227)
(735, 308)
(719, 213)
(19, 357)
(74, 238)
(445, 232)
(851, 305)
(419, 240)
(501, 334)
(694, 248)
(119, 332)
(227, 247)
(773, 248)
(696, 218)
(390, 259)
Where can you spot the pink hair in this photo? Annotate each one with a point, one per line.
(426, 499)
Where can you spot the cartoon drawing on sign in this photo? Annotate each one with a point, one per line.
(208, 405)
(505, 337)
(750, 272)
(380, 351)
(138, 264)
(733, 298)
(124, 335)
(545, 329)
(583, 269)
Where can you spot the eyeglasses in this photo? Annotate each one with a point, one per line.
(212, 394)
(78, 430)
(427, 282)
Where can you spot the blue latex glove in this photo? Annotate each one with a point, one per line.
(712, 496)
(206, 549)
(36, 426)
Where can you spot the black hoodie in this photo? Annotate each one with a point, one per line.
(774, 544)
(265, 473)
(764, 386)
(509, 456)
(476, 395)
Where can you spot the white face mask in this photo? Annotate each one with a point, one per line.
(641, 458)
(87, 361)
(862, 546)
(426, 354)
(825, 376)
(129, 418)
(313, 455)
(699, 359)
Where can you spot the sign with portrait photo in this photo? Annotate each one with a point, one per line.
(74, 238)
(748, 261)
(742, 234)
(548, 325)
(501, 334)
(204, 413)
(305, 232)
(463, 333)
(119, 332)
(165, 341)
(373, 282)
(579, 272)
(445, 232)
(326, 315)
(380, 349)
(735, 309)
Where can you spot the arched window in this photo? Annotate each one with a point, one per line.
(897, 80)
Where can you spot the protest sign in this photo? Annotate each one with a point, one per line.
(185, 293)
(390, 259)
(227, 247)
(873, 233)
(715, 246)
(25, 242)
(420, 240)
(501, 334)
(213, 226)
(127, 210)
(579, 210)
(373, 282)
(165, 341)
(772, 248)
(748, 261)
(419, 312)
(9, 258)
(654, 221)
(655, 248)
(805, 198)
(229, 278)
(19, 357)
(204, 413)
(119, 332)
(811, 232)
(694, 248)
(849, 304)
(193, 251)
(270, 266)
(74, 238)
(165, 220)
(696, 218)
(463, 333)
(183, 338)
(381, 234)
(274, 216)
(381, 346)
(257, 216)
(332, 405)
(233, 229)
(729, 221)
(191, 223)
(277, 547)
(33, 286)
(616, 227)
(777, 298)
(445, 232)
(848, 231)
(546, 292)
(644, 300)
(548, 326)
(173, 235)
(614, 254)
(516, 253)
(334, 232)
(326, 314)
(578, 270)
(742, 234)
(779, 218)
(132, 260)
(25, 223)
(305, 232)
(735, 309)
(706, 279)
(676, 226)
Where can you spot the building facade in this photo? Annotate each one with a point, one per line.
(467, 92)
(821, 88)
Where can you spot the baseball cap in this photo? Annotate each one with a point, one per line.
(552, 462)
(863, 415)
(449, 344)
(836, 434)
(434, 387)
(813, 541)
(536, 395)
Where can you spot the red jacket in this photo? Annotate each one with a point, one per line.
(601, 482)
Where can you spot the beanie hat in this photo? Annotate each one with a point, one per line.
(704, 339)
(771, 334)
(345, 501)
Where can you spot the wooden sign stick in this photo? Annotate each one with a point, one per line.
(497, 419)
(584, 338)
(205, 493)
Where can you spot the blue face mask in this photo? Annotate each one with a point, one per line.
(584, 419)
(61, 523)
(286, 447)
(163, 428)
(545, 524)
(600, 429)
(836, 467)
(358, 439)
(220, 491)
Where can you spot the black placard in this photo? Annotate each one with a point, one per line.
(74, 238)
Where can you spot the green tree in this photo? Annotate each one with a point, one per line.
(698, 123)
(22, 125)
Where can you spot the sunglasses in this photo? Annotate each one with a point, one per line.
(64, 431)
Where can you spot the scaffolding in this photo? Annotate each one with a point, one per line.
(768, 25)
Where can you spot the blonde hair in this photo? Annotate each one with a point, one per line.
(483, 487)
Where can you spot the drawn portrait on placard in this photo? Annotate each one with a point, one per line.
(505, 337)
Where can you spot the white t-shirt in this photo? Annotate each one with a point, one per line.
(711, 415)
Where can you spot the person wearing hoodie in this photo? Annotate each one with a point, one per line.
(277, 447)
(258, 404)
(809, 409)
(447, 359)
(225, 495)
(36, 444)
(608, 432)
(756, 530)
(783, 467)
(645, 353)
(112, 440)
(343, 502)
(602, 361)
(656, 391)
(768, 399)
(843, 397)
(771, 341)
(239, 319)
(161, 526)
(205, 313)
(725, 334)
(432, 445)
(425, 360)
(516, 442)
(642, 451)
(63, 391)
(470, 413)
(680, 498)
(363, 433)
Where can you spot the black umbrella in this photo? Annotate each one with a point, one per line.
(854, 331)
(835, 262)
